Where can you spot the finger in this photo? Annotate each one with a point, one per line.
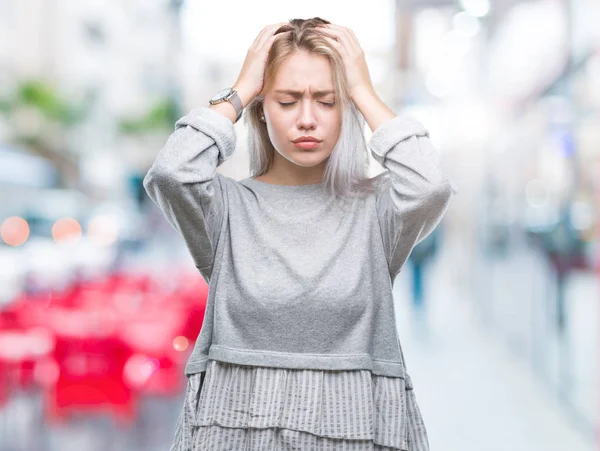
(266, 33)
(336, 44)
(353, 37)
(343, 30)
(353, 44)
(343, 39)
(269, 42)
(259, 36)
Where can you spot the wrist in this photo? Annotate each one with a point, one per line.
(362, 92)
(246, 95)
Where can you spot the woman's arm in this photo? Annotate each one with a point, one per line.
(373, 109)
(182, 180)
(416, 192)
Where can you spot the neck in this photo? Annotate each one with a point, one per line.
(287, 173)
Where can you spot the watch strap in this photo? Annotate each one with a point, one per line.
(235, 100)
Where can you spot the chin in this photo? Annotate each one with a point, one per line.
(307, 158)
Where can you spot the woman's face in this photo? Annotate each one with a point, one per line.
(312, 110)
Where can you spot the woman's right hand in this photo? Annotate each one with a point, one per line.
(250, 81)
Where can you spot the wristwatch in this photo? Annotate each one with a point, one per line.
(230, 95)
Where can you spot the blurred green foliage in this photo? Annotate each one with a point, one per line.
(161, 116)
(44, 98)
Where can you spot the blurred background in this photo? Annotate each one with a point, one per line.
(100, 303)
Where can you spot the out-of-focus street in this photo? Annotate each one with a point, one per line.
(101, 304)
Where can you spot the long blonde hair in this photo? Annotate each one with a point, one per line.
(347, 167)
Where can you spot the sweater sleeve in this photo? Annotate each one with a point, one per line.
(184, 184)
(414, 193)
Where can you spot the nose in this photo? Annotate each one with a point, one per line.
(306, 118)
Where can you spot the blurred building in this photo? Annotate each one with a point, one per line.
(116, 61)
(510, 91)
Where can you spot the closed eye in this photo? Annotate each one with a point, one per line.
(329, 104)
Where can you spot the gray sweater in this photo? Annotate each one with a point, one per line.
(295, 281)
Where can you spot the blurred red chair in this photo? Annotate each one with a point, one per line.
(155, 336)
(98, 344)
(90, 359)
(20, 350)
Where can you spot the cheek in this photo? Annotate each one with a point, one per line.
(278, 133)
(280, 129)
(334, 129)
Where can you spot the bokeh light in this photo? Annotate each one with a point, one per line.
(138, 369)
(180, 343)
(14, 231)
(66, 230)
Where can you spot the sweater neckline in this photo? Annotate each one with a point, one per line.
(311, 187)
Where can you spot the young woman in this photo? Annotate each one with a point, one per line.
(299, 348)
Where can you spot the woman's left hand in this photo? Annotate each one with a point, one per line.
(344, 40)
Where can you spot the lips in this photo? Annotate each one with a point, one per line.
(307, 139)
(307, 144)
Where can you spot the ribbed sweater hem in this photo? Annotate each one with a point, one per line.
(296, 361)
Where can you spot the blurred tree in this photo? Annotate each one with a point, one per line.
(160, 118)
(40, 119)
(155, 124)
(45, 98)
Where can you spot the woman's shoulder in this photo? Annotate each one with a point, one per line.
(231, 186)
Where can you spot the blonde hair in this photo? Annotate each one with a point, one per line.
(346, 169)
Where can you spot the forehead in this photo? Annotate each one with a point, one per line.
(303, 71)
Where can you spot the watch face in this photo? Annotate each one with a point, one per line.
(221, 94)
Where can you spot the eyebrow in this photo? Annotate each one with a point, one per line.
(296, 93)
